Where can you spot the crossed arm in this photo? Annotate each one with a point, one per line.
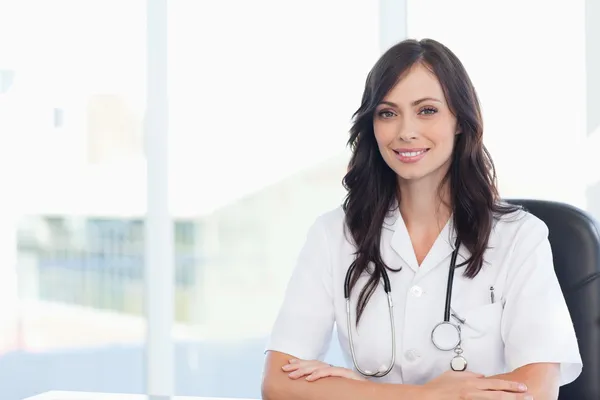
(541, 379)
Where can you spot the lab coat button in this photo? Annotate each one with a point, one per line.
(412, 355)
(416, 291)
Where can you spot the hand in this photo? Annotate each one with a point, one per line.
(314, 370)
(470, 386)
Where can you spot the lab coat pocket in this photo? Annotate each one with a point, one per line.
(481, 321)
(482, 342)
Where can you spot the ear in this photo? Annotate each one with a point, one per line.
(458, 130)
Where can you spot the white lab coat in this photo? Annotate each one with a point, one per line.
(528, 321)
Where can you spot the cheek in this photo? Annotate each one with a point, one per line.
(443, 150)
(443, 138)
(384, 135)
(443, 133)
(446, 141)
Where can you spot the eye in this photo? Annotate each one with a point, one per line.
(386, 114)
(428, 111)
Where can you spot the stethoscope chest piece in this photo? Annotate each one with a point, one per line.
(458, 363)
(447, 336)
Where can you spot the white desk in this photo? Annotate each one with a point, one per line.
(114, 396)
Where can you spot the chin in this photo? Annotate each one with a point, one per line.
(413, 174)
(410, 176)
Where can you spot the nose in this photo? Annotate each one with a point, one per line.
(408, 131)
(407, 135)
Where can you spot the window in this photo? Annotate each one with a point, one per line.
(77, 293)
(6, 80)
(260, 106)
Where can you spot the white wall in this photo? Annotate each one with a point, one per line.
(262, 85)
(527, 60)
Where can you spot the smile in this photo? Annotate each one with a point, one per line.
(410, 155)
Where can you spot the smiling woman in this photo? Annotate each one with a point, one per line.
(399, 115)
(423, 219)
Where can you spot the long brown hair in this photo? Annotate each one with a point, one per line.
(372, 185)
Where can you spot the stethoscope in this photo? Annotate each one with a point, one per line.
(445, 336)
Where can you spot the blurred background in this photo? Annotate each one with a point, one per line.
(260, 98)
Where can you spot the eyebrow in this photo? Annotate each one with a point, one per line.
(414, 103)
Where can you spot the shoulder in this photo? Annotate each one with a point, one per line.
(520, 239)
(331, 228)
(519, 227)
(331, 221)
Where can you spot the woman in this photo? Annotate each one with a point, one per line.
(422, 201)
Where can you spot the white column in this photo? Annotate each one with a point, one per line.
(9, 296)
(11, 155)
(592, 41)
(392, 23)
(159, 272)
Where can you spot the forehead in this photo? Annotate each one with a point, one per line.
(418, 82)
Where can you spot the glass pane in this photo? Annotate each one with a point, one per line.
(261, 98)
(72, 90)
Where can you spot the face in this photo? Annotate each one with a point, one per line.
(414, 127)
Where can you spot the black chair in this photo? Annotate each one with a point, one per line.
(575, 239)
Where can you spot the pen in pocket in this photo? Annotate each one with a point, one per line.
(492, 296)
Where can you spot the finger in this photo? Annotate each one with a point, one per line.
(300, 372)
(301, 364)
(498, 395)
(325, 372)
(290, 367)
(501, 385)
(463, 374)
(332, 371)
(305, 362)
(320, 373)
(471, 374)
(298, 364)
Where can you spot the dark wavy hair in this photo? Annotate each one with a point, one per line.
(372, 185)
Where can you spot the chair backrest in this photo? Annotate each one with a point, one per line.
(575, 239)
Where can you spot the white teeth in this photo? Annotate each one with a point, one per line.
(411, 153)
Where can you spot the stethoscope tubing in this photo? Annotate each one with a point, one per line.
(387, 289)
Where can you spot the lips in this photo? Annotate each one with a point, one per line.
(409, 156)
(409, 153)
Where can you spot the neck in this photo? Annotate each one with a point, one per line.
(423, 205)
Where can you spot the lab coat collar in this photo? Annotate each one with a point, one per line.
(440, 252)
(400, 239)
